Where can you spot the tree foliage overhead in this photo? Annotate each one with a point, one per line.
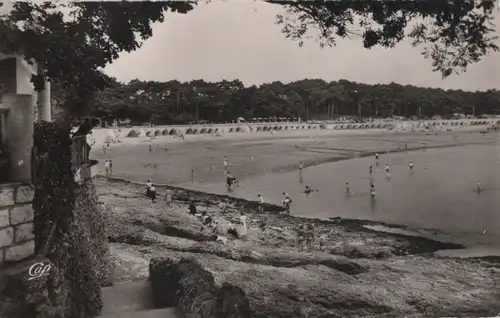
(176, 102)
(73, 41)
(453, 33)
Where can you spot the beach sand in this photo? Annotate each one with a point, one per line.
(252, 154)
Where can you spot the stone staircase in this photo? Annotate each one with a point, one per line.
(132, 300)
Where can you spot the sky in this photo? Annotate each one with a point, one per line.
(240, 40)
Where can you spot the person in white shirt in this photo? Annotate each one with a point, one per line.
(387, 171)
(226, 162)
(168, 197)
(261, 203)
(107, 167)
(152, 193)
(243, 226)
(410, 165)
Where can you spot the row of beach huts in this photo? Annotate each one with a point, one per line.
(150, 132)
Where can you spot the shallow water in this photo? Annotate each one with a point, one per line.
(440, 193)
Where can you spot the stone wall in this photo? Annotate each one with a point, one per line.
(16, 223)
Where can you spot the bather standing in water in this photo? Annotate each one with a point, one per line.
(387, 171)
(478, 187)
(372, 191)
(301, 171)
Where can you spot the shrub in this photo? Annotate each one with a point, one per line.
(55, 202)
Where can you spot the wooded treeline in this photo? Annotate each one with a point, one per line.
(176, 102)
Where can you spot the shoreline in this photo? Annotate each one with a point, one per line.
(351, 224)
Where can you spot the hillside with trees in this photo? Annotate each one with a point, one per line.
(175, 102)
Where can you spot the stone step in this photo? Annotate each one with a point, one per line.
(126, 297)
(150, 313)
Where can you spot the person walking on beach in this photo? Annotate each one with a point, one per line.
(168, 197)
(110, 167)
(478, 187)
(377, 159)
(192, 207)
(286, 202)
(150, 149)
(226, 163)
(371, 170)
(107, 167)
(410, 165)
(260, 203)
(243, 226)
(347, 189)
(310, 236)
(152, 193)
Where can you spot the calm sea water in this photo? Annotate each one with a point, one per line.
(440, 193)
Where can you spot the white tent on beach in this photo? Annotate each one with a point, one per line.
(142, 133)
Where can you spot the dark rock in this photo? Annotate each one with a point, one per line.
(192, 289)
(232, 302)
(162, 273)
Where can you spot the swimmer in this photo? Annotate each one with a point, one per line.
(308, 190)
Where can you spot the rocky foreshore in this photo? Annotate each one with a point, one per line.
(358, 273)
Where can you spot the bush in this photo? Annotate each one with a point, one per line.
(78, 247)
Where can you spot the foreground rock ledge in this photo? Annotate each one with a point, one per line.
(192, 289)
